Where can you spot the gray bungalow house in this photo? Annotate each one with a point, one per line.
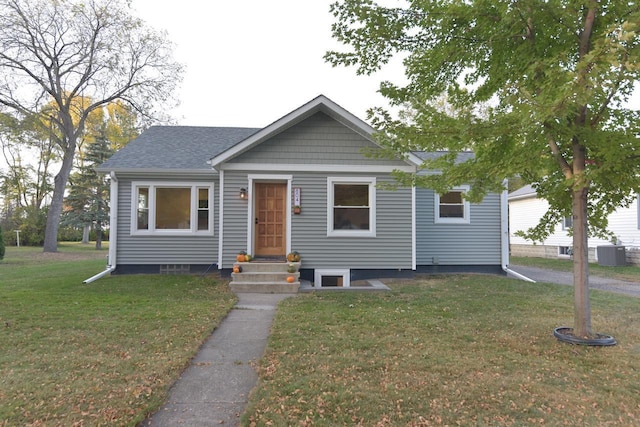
(190, 199)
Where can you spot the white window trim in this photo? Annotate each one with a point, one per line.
(564, 223)
(567, 249)
(466, 219)
(372, 206)
(152, 185)
(345, 273)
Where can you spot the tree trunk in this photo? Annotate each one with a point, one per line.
(55, 209)
(98, 235)
(86, 230)
(582, 308)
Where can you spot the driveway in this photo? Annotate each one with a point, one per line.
(563, 278)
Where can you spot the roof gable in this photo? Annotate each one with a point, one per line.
(320, 104)
(318, 140)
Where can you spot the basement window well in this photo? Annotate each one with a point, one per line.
(332, 278)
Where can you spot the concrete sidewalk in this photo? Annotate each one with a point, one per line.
(214, 389)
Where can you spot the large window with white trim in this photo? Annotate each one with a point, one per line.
(171, 208)
(351, 209)
(451, 207)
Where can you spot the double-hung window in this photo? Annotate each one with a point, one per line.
(451, 207)
(351, 207)
(171, 208)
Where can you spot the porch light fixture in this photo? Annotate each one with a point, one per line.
(243, 193)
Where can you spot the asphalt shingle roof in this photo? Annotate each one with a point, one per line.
(176, 147)
(190, 147)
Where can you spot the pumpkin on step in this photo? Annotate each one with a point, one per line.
(293, 256)
(237, 269)
(291, 279)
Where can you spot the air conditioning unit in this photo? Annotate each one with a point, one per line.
(612, 255)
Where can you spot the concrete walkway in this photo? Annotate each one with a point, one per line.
(214, 389)
(566, 278)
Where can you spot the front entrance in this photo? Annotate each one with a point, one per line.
(270, 205)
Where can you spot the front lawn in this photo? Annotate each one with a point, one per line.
(448, 350)
(103, 353)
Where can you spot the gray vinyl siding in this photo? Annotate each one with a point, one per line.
(235, 217)
(147, 250)
(319, 139)
(389, 249)
(476, 243)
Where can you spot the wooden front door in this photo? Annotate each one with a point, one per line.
(270, 206)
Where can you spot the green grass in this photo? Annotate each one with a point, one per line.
(629, 272)
(449, 350)
(103, 353)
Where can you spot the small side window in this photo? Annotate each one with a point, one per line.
(451, 207)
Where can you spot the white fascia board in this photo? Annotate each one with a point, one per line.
(159, 171)
(414, 159)
(523, 196)
(314, 168)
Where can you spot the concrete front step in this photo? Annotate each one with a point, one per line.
(265, 277)
(265, 288)
(268, 267)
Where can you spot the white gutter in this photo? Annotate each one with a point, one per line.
(504, 230)
(113, 231)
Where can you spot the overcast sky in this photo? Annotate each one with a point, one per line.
(249, 62)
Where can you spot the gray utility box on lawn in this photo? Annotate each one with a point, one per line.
(612, 255)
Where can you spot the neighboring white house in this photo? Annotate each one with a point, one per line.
(526, 209)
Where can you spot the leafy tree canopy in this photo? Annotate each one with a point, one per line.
(80, 55)
(538, 90)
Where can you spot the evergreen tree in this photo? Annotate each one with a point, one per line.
(88, 200)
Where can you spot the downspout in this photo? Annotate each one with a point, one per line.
(113, 231)
(504, 231)
(413, 229)
(220, 218)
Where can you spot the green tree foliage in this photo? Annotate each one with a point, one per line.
(29, 153)
(87, 203)
(538, 90)
(79, 56)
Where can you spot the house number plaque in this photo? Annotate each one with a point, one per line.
(297, 198)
